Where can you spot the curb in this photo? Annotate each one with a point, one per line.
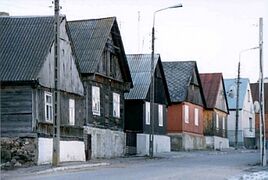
(82, 166)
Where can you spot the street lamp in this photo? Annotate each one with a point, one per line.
(237, 95)
(151, 137)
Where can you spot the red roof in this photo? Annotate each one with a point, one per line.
(210, 84)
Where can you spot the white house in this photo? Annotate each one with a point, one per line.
(246, 118)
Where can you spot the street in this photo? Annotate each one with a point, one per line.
(228, 164)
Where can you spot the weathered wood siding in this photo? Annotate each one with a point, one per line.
(221, 102)
(16, 110)
(69, 76)
(134, 116)
(194, 91)
(107, 87)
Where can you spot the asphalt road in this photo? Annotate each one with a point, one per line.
(175, 165)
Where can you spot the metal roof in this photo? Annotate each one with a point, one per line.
(230, 89)
(24, 45)
(210, 84)
(140, 69)
(178, 75)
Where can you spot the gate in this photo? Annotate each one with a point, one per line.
(131, 143)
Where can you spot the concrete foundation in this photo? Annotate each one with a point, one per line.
(186, 141)
(105, 143)
(161, 144)
(69, 151)
(215, 142)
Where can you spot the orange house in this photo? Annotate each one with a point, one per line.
(185, 114)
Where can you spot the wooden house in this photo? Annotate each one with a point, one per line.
(246, 114)
(255, 95)
(27, 86)
(106, 77)
(216, 111)
(138, 122)
(185, 114)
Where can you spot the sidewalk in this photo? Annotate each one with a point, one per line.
(43, 169)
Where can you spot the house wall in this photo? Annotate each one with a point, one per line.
(105, 143)
(231, 128)
(69, 76)
(176, 119)
(216, 142)
(16, 111)
(69, 151)
(133, 116)
(161, 144)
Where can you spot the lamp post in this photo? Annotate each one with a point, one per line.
(237, 95)
(151, 137)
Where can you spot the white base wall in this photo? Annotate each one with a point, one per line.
(161, 144)
(106, 143)
(69, 151)
(215, 142)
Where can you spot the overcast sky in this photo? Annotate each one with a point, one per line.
(211, 32)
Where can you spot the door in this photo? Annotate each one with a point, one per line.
(89, 147)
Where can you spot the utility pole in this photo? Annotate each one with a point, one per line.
(261, 99)
(237, 106)
(56, 97)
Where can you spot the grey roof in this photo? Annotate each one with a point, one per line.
(140, 69)
(89, 39)
(178, 75)
(24, 44)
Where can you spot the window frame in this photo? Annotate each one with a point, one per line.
(95, 100)
(223, 123)
(186, 114)
(147, 113)
(196, 116)
(116, 105)
(217, 121)
(71, 111)
(160, 115)
(50, 105)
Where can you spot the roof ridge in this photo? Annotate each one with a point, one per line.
(94, 19)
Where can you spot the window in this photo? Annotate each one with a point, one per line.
(71, 112)
(217, 121)
(223, 123)
(160, 115)
(48, 107)
(147, 111)
(116, 105)
(196, 115)
(96, 100)
(186, 113)
(250, 124)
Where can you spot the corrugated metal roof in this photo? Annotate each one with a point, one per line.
(210, 84)
(24, 44)
(89, 39)
(178, 75)
(255, 94)
(230, 89)
(140, 69)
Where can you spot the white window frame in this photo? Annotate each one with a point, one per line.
(196, 116)
(96, 100)
(160, 115)
(71, 111)
(116, 105)
(217, 121)
(223, 123)
(48, 107)
(147, 113)
(186, 113)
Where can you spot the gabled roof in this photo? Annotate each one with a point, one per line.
(255, 94)
(89, 39)
(178, 75)
(231, 88)
(24, 45)
(140, 68)
(211, 84)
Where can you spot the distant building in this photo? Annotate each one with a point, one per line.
(185, 114)
(246, 120)
(216, 112)
(255, 95)
(4, 14)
